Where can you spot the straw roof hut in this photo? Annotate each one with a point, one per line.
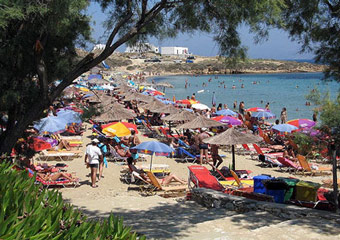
(180, 116)
(115, 114)
(232, 137)
(134, 96)
(201, 122)
(166, 109)
(154, 105)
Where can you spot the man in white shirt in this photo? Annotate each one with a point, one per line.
(93, 155)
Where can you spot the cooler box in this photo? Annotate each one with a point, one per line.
(307, 191)
(276, 188)
(258, 185)
(291, 190)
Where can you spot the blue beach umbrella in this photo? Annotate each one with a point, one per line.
(226, 112)
(69, 116)
(263, 115)
(160, 97)
(154, 147)
(284, 128)
(167, 102)
(50, 124)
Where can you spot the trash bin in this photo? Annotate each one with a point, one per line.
(276, 188)
(258, 185)
(307, 191)
(291, 191)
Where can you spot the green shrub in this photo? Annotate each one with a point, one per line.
(304, 142)
(30, 212)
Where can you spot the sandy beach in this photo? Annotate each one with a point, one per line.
(176, 218)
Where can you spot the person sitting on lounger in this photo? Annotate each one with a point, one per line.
(55, 176)
(289, 154)
(122, 151)
(162, 181)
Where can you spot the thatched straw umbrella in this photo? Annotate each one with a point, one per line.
(232, 137)
(115, 114)
(180, 116)
(154, 105)
(201, 122)
(134, 96)
(166, 109)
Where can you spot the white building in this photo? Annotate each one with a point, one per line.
(174, 51)
(98, 47)
(142, 48)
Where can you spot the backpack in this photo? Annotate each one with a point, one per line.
(105, 154)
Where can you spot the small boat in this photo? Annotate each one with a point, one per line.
(200, 91)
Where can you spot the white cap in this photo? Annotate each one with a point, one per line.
(95, 140)
(204, 129)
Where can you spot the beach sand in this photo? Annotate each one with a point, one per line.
(176, 218)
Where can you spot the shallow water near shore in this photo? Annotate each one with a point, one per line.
(280, 90)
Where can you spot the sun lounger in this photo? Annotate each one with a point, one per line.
(200, 177)
(52, 155)
(114, 156)
(288, 165)
(185, 155)
(166, 189)
(59, 182)
(307, 169)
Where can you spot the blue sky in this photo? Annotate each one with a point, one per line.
(278, 45)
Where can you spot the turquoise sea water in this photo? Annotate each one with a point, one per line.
(280, 90)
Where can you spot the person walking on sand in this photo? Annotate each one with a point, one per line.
(203, 146)
(283, 115)
(93, 155)
(103, 146)
(215, 156)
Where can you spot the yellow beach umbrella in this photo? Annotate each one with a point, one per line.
(84, 89)
(118, 129)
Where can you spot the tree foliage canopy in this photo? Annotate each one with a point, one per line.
(316, 24)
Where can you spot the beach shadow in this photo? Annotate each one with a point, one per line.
(166, 221)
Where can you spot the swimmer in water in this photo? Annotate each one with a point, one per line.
(233, 87)
(242, 86)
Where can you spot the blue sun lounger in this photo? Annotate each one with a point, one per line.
(185, 155)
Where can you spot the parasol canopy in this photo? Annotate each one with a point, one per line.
(117, 129)
(200, 106)
(130, 126)
(302, 123)
(154, 105)
(115, 113)
(232, 137)
(226, 112)
(166, 109)
(263, 115)
(180, 116)
(284, 128)
(201, 122)
(51, 124)
(228, 120)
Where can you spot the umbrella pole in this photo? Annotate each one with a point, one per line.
(233, 157)
(151, 162)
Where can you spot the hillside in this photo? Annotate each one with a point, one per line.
(132, 63)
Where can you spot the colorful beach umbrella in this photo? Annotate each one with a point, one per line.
(226, 112)
(51, 124)
(263, 115)
(69, 116)
(257, 109)
(118, 129)
(126, 124)
(228, 120)
(302, 123)
(200, 106)
(187, 101)
(154, 147)
(284, 128)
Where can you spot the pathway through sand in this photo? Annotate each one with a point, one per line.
(166, 218)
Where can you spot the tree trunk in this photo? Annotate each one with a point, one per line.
(15, 131)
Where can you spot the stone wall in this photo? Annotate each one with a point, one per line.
(214, 199)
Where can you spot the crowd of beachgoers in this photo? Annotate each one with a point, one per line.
(127, 110)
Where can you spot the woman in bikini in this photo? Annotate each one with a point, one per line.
(55, 176)
(163, 181)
